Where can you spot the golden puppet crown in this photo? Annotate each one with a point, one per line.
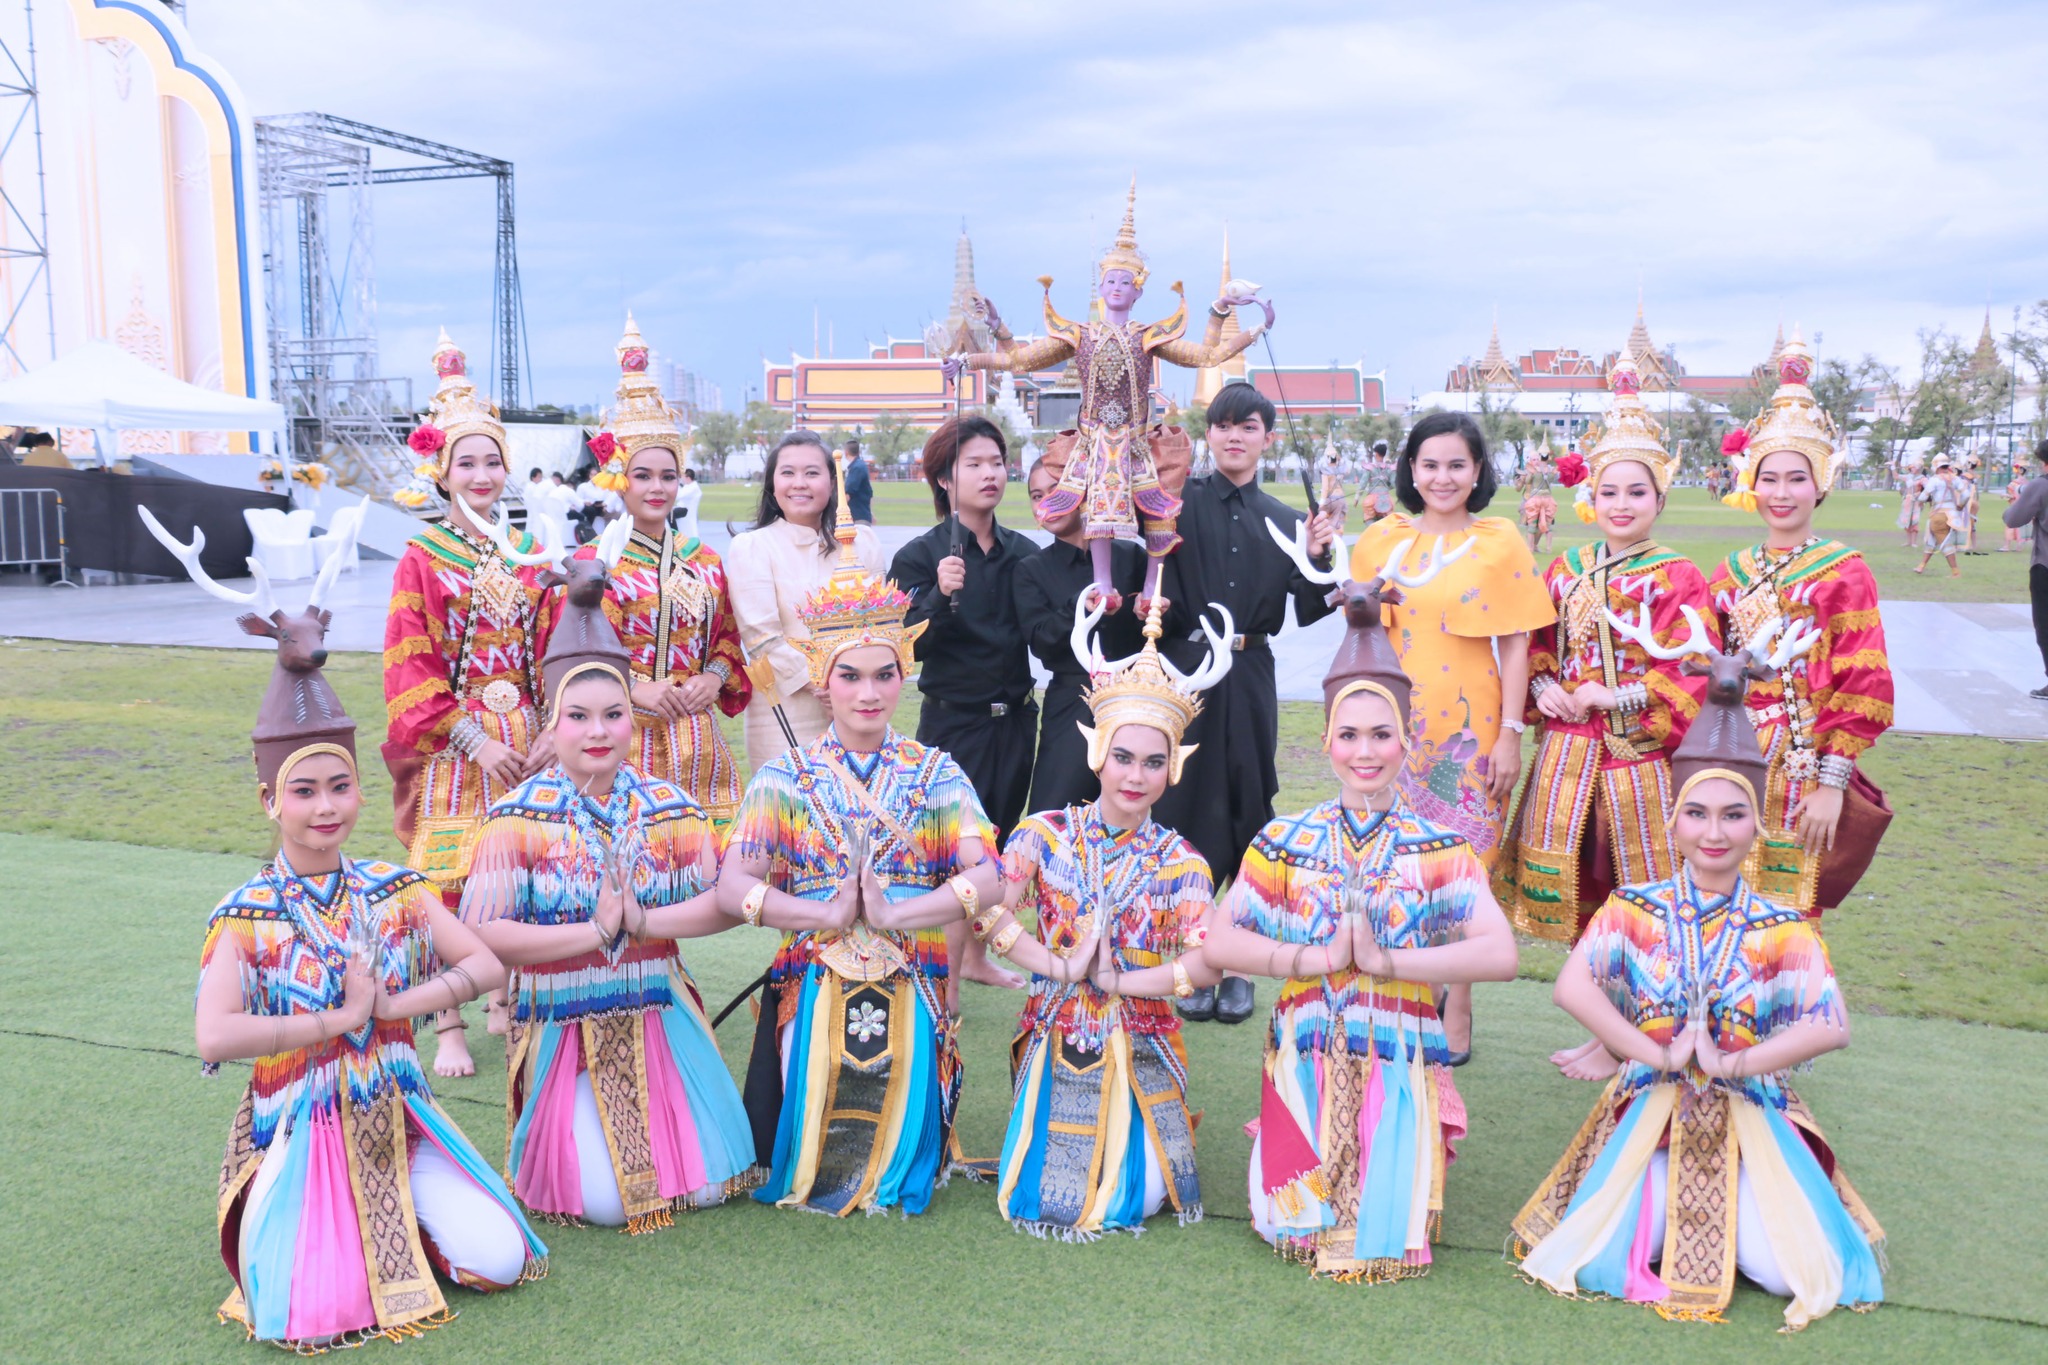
(1145, 689)
(1793, 420)
(1124, 255)
(641, 418)
(853, 609)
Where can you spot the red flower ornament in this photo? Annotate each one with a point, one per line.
(602, 445)
(1735, 442)
(1571, 470)
(426, 439)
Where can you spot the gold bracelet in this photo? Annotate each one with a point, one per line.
(1006, 940)
(969, 898)
(985, 923)
(1182, 986)
(756, 899)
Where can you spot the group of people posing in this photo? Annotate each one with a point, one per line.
(572, 813)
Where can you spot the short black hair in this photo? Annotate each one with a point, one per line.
(1444, 424)
(2041, 453)
(942, 452)
(1239, 402)
(1380, 447)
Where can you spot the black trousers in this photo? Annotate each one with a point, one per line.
(994, 752)
(1061, 777)
(2037, 588)
(1225, 793)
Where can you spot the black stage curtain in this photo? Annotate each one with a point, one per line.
(103, 531)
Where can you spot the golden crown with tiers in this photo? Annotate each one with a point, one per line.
(1627, 432)
(641, 418)
(1124, 254)
(455, 411)
(856, 607)
(1792, 421)
(1145, 689)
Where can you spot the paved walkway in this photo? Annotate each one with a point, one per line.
(1960, 668)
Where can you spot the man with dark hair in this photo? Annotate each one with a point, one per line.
(860, 489)
(974, 676)
(1225, 795)
(2030, 508)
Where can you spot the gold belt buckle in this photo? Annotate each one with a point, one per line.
(501, 696)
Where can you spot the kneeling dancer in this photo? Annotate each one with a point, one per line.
(1099, 1136)
(1698, 1160)
(345, 1188)
(860, 847)
(584, 878)
(1358, 905)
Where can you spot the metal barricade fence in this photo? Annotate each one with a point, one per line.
(32, 529)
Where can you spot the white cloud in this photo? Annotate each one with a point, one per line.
(1391, 174)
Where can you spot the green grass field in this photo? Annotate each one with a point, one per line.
(1693, 524)
(125, 812)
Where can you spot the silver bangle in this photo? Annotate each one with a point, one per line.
(720, 669)
(1630, 698)
(1835, 770)
(1541, 683)
(467, 736)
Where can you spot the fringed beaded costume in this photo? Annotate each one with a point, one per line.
(1358, 1111)
(623, 1025)
(1592, 815)
(855, 1070)
(1099, 1136)
(327, 1220)
(1835, 700)
(669, 604)
(1676, 1181)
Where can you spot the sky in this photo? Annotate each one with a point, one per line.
(1393, 175)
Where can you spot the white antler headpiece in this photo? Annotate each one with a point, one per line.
(499, 532)
(1145, 689)
(1393, 573)
(1296, 549)
(1697, 640)
(259, 600)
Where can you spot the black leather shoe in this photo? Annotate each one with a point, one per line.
(1235, 1000)
(1459, 1058)
(1198, 1007)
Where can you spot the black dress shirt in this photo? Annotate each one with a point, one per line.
(1048, 583)
(1228, 556)
(973, 656)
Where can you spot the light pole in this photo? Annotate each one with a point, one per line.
(2012, 404)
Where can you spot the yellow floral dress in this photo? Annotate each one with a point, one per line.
(1444, 632)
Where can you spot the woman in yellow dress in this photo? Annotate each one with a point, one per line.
(1463, 636)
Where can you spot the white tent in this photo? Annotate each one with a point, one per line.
(102, 387)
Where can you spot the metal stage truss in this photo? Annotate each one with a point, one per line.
(314, 181)
(21, 113)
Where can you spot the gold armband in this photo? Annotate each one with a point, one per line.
(969, 898)
(750, 908)
(1006, 940)
(985, 924)
(1182, 986)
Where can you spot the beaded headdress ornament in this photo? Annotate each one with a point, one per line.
(641, 419)
(1792, 421)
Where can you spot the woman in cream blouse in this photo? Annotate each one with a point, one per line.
(787, 556)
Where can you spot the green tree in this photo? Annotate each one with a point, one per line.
(1747, 401)
(716, 436)
(1696, 433)
(1954, 392)
(763, 424)
(890, 436)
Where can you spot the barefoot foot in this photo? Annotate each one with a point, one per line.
(451, 1052)
(1564, 1057)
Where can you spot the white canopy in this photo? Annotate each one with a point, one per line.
(101, 386)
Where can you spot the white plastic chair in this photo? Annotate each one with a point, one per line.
(342, 531)
(284, 541)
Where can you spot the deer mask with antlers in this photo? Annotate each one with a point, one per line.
(300, 714)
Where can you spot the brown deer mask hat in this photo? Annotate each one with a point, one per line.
(1721, 741)
(1366, 661)
(300, 715)
(584, 640)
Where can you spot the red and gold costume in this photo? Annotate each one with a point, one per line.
(669, 603)
(1829, 703)
(458, 647)
(1594, 812)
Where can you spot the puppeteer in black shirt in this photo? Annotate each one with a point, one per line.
(975, 655)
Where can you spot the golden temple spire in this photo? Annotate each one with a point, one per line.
(1494, 370)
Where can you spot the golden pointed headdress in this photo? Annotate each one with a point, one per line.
(855, 607)
(1627, 432)
(1792, 421)
(1124, 255)
(1145, 689)
(455, 411)
(642, 417)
